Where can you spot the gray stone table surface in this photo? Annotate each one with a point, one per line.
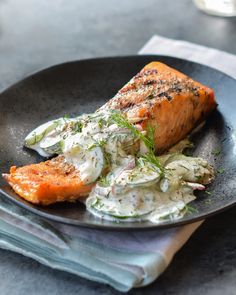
(38, 33)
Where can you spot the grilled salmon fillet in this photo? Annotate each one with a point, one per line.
(47, 182)
(158, 95)
(166, 99)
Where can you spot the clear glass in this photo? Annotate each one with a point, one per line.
(217, 7)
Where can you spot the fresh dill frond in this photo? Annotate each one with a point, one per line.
(66, 116)
(122, 122)
(147, 139)
(108, 158)
(99, 143)
(221, 170)
(78, 126)
(216, 152)
(101, 122)
(96, 203)
(152, 159)
(189, 209)
(150, 136)
(166, 217)
(103, 181)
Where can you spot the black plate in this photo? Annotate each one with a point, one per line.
(82, 86)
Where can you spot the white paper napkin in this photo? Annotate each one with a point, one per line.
(211, 57)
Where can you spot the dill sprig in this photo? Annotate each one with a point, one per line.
(66, 116)
(150, 136)
(97, 143)
(190, 210)
(221, 170)
(216, 152)
(103, 181)
(152, 159)
(122, 122)
(147, 139)
(76, 127)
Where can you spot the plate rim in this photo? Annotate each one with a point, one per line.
(39, 71)
(115, 226)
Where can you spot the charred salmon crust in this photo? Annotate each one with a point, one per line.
(166, 99)
(47, 182)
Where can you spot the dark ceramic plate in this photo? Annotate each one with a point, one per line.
(82, 86)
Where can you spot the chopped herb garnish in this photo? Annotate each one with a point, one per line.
(103, 181)
(108, 158)
(150, 136)
(66, 116)
(166, 217)
(208, 193)
(152, 159)
(99, 143)
(216, 152)
(199, 178)
(150, 96)
(190, 210)
(101, 123)
(148, 139)
(184, 167)
(121, 121)
(77, 127)
(97, 203)
(221, 170)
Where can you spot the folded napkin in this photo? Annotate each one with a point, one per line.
(211, 57)
(121, 259)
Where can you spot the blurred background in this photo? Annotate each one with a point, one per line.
(38, 33)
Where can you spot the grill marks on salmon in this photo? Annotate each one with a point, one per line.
(158, 95)
(166, 99)
(47, 182)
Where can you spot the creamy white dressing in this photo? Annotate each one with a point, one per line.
(152, 198)
(128, 186)
(89, 161)
(47, 138)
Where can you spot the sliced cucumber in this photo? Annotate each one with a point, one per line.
(40, 132)
(139, 176)
(89, 162)
(174, 157)
(130, 217)
(189, 169)
(53, 147)
(48, 138)
(102, 206)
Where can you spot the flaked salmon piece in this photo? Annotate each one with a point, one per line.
(47, 182)
(158, 96)
(166, 99)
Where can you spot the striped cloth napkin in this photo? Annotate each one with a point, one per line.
(123, 260)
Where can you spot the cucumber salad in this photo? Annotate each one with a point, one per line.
(130, 181)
